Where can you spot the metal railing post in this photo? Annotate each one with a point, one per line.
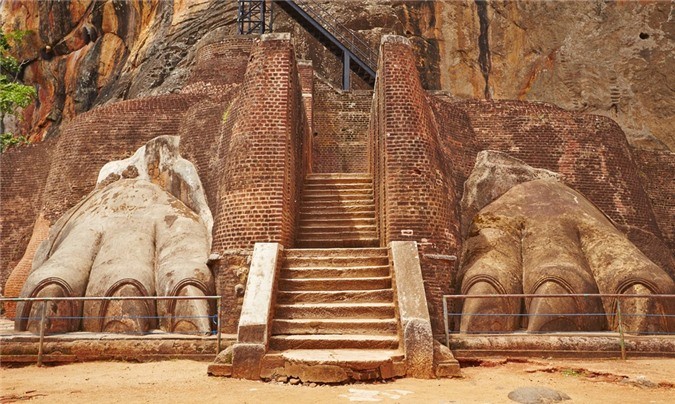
(219, 337)
(445, 321)
(622, 342)
(43, 319)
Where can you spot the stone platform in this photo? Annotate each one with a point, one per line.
(23, 347)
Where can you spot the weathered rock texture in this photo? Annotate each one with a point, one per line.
(610, 58)
(541, 237)
(144, 231)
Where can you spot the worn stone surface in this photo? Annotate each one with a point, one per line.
(256, 312)
(493, 174)
(417, 337)
(131, 237)
(542, 237)
(537, 395)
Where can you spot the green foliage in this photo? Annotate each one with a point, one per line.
(13, 94)
(8, 140)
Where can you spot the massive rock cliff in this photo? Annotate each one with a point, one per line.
(605, 57)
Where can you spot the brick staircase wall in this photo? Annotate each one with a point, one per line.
(340, 130)
(416, 192)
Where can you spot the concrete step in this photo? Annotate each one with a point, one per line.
(346, 242)
(332, 222)
(333, 341)
(334, 261)
(334, 310)
(336, 252)
(334, 365)
(335, 326)
(334, 284)
(336, 296)
(330, 233)
(328, 272)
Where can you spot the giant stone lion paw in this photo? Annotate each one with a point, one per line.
(144, 231)
(541, 237)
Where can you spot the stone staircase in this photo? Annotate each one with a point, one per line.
(337, 210)
(335, 317)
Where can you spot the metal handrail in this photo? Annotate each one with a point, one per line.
(43, 312)
(355, 43)
(554, 295)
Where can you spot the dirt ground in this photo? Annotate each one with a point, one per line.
(609, 381)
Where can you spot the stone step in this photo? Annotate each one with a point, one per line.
(334, 365)
(306, 208)
(327, 272)
(332, 222)
(310, 226)
(336, 252)
(335, 326)
(338, 242)
(339, 214)
(336, 296)
(334, 310)
(354, 185)
(334, 284)
(336, 197)
(339, 191)
(333, 341)
(336, 177)
(342, 234)
(334, 261)
(337, 204)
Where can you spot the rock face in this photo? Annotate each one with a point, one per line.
(609, 58)
(143, 232)
(541, 237)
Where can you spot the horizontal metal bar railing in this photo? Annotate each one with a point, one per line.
(618, 314)
(43, 314)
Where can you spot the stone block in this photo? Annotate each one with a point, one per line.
(220, 369)
(246, 360)
(417, 337)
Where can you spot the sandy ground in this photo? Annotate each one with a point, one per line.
(611, 381)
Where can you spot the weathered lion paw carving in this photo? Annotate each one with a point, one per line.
(541, 237)
(144, 231)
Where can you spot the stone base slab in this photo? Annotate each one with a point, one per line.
(560, 345)
(84, 347)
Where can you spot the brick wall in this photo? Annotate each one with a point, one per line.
(261, 150)
(417, 192)
(658, 169)
(258, 189)
(23, 172)
(340, 129)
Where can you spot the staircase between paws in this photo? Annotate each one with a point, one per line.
(335, 318)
